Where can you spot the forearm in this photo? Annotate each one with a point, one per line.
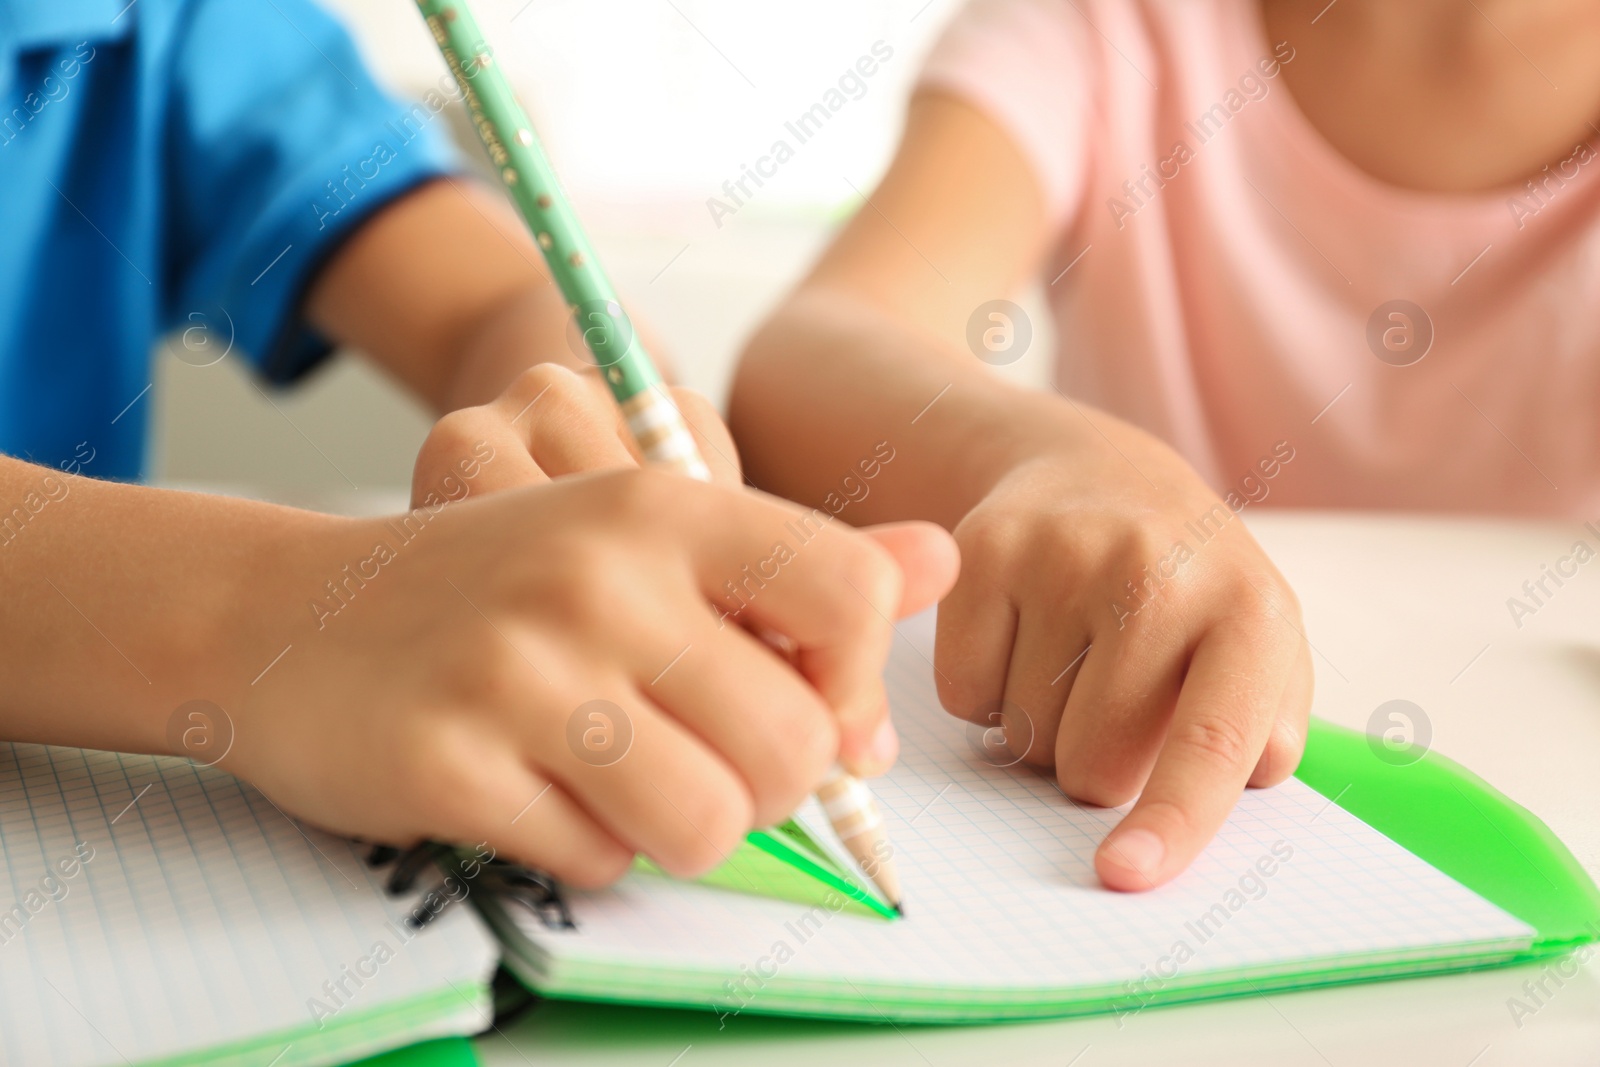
(829, 378)
(446, 291)
(123, 602)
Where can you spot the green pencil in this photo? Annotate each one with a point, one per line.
(653, 420)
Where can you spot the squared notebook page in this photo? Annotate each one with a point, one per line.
(1003, 905)
(203, 916)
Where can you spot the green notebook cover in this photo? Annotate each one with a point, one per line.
(449, 1052)
(1443, 813)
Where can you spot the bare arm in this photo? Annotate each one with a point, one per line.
(877, 331)
(366, 673)
(445, 291)
(1128, 665)
(122, 602)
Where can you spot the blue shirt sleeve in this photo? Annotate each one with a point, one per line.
(279, 146)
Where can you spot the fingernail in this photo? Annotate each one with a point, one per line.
(884, 747)
(1139, 850)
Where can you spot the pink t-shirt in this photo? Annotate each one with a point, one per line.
(1222, 277)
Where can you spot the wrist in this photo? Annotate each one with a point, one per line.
(131, 601)
(843, 377)
(994, 428)
(991, 431)
(242, 608)
(1081, 456)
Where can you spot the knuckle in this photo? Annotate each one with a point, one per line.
(718, 815)
(804, 749)
(456, 431)
(546, 383)
(954, 697)
(1096, 790)
(966, 678)
(592, 592)
(479, 671)
(596, 865)
(873, 573)
(452, 792)
(1141, 549)
(967, 696)
(1098, 783)
(984, 536)
(1029, 733)
(1224, 740)
(818, 747)
(547, 402)
(1263, 596)
(1281, 755)
(961, 692)
(1283, 596)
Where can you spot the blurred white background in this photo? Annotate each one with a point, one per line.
(647, 107)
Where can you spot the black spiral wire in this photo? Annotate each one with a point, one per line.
(536, 891)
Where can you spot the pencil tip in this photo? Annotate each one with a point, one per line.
(899, 909)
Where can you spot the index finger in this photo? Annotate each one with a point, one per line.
(554, 415)
(1236, 680)
(829, 589)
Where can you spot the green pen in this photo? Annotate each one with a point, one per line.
(653, 420)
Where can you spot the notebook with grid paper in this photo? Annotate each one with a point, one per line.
(155, 911)
(158, 912)
(1005, 918)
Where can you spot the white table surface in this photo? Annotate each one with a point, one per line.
(1395, 607)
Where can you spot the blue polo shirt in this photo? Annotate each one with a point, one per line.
(175, 168)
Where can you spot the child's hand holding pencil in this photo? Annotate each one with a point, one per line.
(655, 424)
(569, 694)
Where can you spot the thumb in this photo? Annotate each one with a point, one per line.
(928, 559)
(711, 436)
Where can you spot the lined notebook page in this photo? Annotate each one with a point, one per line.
(1001, 894)
(197, 914)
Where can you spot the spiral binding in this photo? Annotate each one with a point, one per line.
(536, 891)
